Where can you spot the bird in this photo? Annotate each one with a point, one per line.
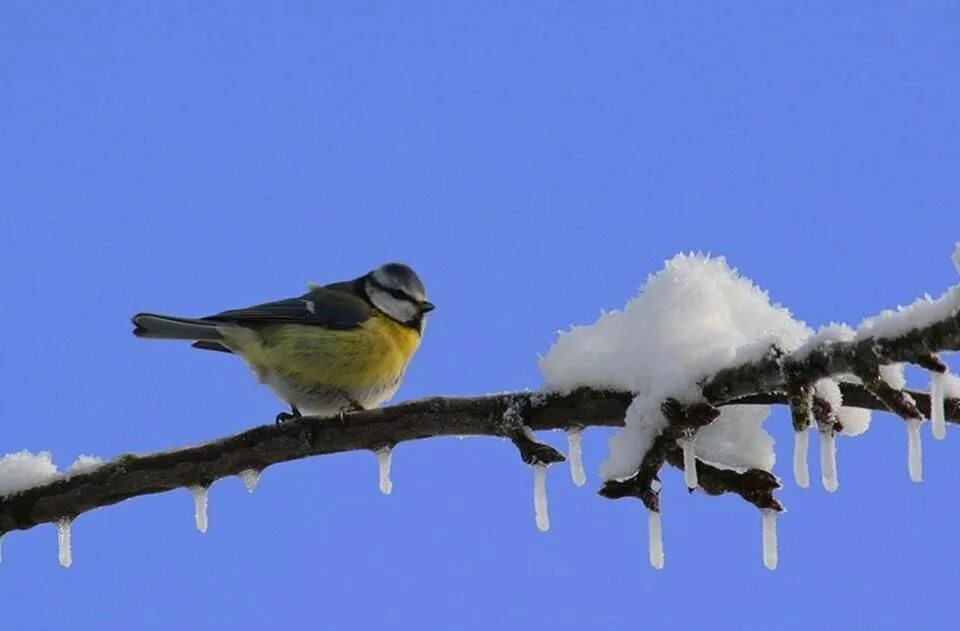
(338, 348)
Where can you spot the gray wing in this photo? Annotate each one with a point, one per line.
(321, 306)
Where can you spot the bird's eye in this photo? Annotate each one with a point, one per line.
(395, 293)
(400, 295)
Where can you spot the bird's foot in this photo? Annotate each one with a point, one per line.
(283, 417)
(353, 406)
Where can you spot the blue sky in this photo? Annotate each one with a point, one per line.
(535, 162)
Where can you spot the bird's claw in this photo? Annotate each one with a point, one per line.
(283, 417)
(349, 409)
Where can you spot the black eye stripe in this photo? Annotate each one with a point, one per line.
(396, 293)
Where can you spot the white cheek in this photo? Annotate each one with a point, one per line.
(401, 310)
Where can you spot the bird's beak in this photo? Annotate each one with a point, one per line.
(426, 307)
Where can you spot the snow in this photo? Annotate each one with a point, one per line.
(855, 421)
(643, 422)
(894, 376)
(801, 472)
(200, 497)
(23, 470)
(575, 452)
(691, 319)
(769, 539)
(828, 460)
(250, 478)
(951, 385)
(915, 453)
(832, 333)
(385, 458)
(689, 463)
(829, 391)
(540, 497)
(737, 440)
(922, 312)
(655, 539)
(937, 415)
(83, 464)
(64, 545)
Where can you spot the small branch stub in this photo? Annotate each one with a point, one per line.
(897, 401)
(533, 452)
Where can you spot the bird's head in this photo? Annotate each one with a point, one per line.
(396, 290)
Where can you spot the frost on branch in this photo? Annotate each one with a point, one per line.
(83, 464)
(22, 470)
(691, 319)
(699, 331)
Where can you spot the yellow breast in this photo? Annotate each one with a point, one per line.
(375, 353)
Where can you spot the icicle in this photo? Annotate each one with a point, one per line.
(801, 472)
(937, 416)
(575, 450)
(915, 458)
(64, 552)
(200, 496)
(769, 539)
(540, 496)
(655, 539)
(828, 460)
(250, 478)
(689, 463)
(385, 458)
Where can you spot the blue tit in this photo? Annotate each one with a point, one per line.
(343, 346)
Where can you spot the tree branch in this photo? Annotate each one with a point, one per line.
(514, 416)
(131, 476)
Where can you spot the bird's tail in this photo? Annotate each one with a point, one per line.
(164, 327)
